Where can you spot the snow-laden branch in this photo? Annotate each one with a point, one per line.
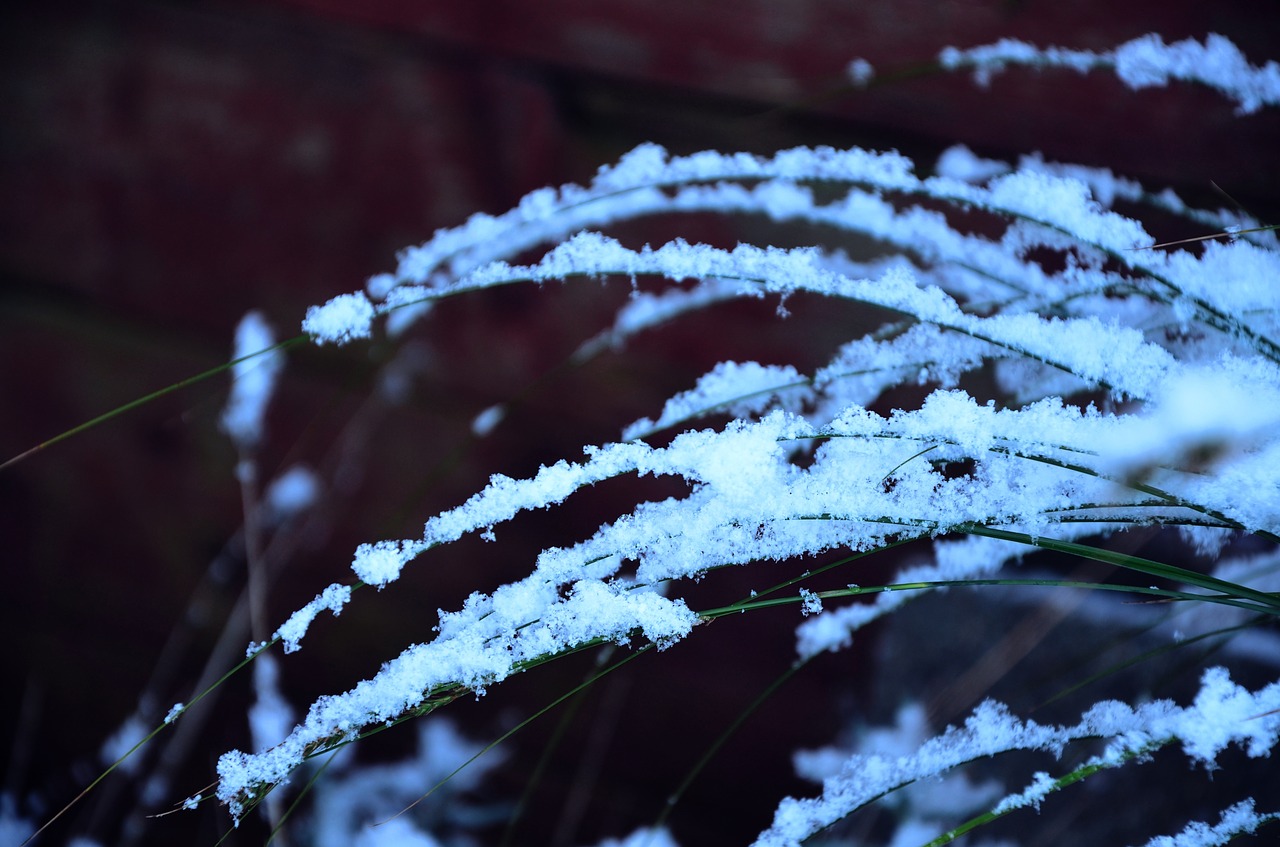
(1141, 63)
(1128, 386)
(1223, 714)
(748, 503)
(1046, 209)
(1144, 62)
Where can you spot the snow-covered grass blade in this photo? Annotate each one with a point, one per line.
(1081, 380)
(1136, 387)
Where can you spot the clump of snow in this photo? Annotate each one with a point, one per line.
(642, 838)
(344, 318)
(1239, 819)
(14, 829)
(333, 598)
(291, 493)
(381, 562)
(122, 742)
(1143, 62)
(1148, 61)
(989, 59)
(1040, 786)
(959, 162)
(485, 422)
(254, 375)
(860, 72)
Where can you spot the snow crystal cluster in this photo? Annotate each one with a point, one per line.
(1137, 385)
(255, 371)
(1144, 62)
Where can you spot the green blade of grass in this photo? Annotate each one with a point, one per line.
(1270, 602)
(142, 401)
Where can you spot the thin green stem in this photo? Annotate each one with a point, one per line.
(306, 789)
(934, 585)
(142, 401)
(1077, 775)
(722, 739)
(1147, 656)
(148, 737)
(1270, 602)
(544, 761)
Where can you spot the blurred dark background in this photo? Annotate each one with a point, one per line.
(166, 167)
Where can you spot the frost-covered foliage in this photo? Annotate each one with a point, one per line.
(1127, 384)
(255, 378)
(1223, 714)
(1141, 63)
(1135, 384)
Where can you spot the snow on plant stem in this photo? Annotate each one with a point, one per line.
(254, 380)
(1144, 62)
(1222, 714)
(1136, 387)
